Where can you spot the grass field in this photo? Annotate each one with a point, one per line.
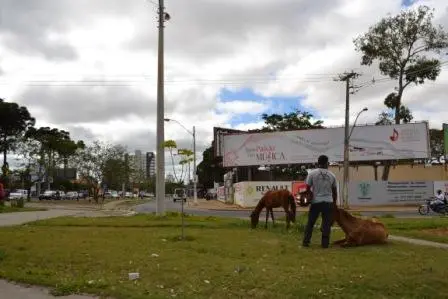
(221, 258)
(7, 209)
(431, 229)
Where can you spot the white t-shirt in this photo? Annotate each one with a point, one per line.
(321, 182)
(439, 198)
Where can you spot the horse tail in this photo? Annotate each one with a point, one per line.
(292, 204)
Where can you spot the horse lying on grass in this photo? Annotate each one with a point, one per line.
(275, 199)
(359, 231)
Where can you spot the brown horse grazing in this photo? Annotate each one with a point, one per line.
(274, 199)
(359, 231)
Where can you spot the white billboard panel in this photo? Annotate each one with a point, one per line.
(248, 194)
(371, 193)
(367, 143)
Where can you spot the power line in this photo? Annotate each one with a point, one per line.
(236, 80)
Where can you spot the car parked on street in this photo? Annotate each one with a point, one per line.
(52, 195)
(18, 194)
(71, 195)
(180, 194)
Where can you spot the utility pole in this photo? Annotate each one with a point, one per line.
(160, 174)
(347, 77)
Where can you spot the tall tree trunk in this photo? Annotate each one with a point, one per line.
(5, 151)
(49, 170)
(386, 169)
(65, 167)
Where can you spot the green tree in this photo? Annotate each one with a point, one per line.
(171, 145)
(14, 121)
(100, 163)
(29, 153)
(436, 143)
(55, 147)
(387, 118)
(210, 169)
(114, 172)
(186, 159)
(404, 45)
(289, 121)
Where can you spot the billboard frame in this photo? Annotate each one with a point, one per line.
(218, 133)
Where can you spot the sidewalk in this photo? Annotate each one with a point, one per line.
(217, 205)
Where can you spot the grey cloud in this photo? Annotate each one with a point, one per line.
(144, 141)
(82, 104)
(192, 102)
(204, 29)
(80, 133)
(25, 25)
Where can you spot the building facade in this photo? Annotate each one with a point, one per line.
(150, 164)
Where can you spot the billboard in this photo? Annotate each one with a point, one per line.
(217, 139)
(248, 194)
(367, 143)
(371, 193)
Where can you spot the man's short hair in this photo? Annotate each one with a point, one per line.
(322, 160)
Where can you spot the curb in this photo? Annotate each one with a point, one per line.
(420, 242)
(301, 210)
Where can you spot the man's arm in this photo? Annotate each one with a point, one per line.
(309, 182)
(334, 191)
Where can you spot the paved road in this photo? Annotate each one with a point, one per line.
(176, 206)
(9, 219)
(14, 291)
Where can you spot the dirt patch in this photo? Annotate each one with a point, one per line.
(443, 231)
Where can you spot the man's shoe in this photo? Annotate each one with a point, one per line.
(305, 245)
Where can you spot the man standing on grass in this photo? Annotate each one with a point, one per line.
(322, 184)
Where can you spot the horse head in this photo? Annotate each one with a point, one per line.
(337, 214)
(254, 219)
(342, 216)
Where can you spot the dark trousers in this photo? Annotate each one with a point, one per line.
(326, 209)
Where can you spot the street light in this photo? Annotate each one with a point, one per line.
(192, 133)
(346, 159)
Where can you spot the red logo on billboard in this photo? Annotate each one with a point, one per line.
(394, 136)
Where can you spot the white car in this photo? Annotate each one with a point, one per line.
(71, 195)
(18, 194)
(180, 194)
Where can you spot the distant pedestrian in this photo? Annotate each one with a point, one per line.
(321, 183)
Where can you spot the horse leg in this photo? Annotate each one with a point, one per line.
(349, 243)
(353, 239)
(267, 218)
(272, 217)
(288, 218)
(339, 241)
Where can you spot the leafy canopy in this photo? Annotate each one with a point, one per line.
(406, 46)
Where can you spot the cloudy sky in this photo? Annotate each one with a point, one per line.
(90, 66)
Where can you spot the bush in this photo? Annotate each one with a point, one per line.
(21, 203)
(18, 203)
